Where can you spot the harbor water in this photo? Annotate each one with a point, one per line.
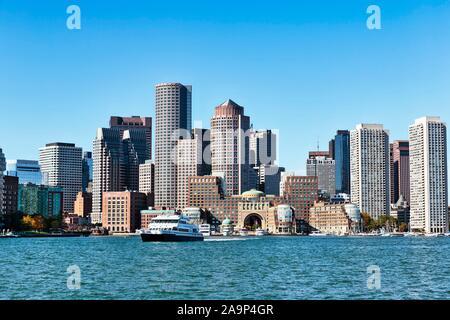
(224, 268)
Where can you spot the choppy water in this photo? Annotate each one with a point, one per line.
(256, 268)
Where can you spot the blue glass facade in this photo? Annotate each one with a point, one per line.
(342, 158)
(28, 171)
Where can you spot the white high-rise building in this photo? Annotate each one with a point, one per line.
(2, 168)
(173, 119)
(369, 169)
(230, 148)
(428, 175)
(147, 177)
(191, 161)
(61, 165)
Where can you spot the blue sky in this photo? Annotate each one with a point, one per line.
(306, 68)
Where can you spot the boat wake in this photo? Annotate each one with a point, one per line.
(227, 239)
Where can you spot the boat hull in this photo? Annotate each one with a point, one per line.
(151, 237)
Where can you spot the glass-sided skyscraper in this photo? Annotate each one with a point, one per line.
(28, 171)
(342, 160)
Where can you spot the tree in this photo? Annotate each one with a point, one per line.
(403, 227)
(35, 222)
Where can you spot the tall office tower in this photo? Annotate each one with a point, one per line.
(61, 164)
(136, 123)
(28, 171)
(2, 168)
(190, 162)
(428, 172)
(147, 177)
(263, 147)
(87, 168)
(263, 154)
(400, 171)
(173, 115)
(331, 149)
(324, 169)
(342, 161)
(116, 158)
(369, 169)
(230, 156)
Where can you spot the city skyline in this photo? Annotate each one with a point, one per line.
(351, 74)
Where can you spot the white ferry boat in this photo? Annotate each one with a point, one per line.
(243, 232)
(171, 228)
(318, 234)
(261, 232)
(205, 229)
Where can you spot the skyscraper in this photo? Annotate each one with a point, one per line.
(324, 169)
(61, 164)
(28, 171)
(87, 168)
(136, 123)
(117, 156)
(190, 162)
(230, 156)
(400, 171)
(369, 169)
(173, 115)
(341, 154)
(428, 172)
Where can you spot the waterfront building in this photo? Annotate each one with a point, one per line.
(87, 170)
(230, 156)
(10, 198)
(256, 211)
(336, 219)
(173, 119)
(428, 175)
(227, 227)
(61, 164)
(190, 161)
(136, 123)
(341, 153)
(40, 199)
(207, 192)
(122, 211)
(324, 169)
(2, 169)
(117, 156)
(28, 171)
(301, 192)
(148, 214)
(83, 204)
(283, 177)
(400, 171)
(369, 168)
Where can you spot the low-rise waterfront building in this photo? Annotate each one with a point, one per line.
(83, 204)
(40, 199)
(337, 219)
(121, 211)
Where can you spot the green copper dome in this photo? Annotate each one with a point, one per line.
(252, 193)
(226, 221)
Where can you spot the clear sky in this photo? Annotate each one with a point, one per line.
(306, 68)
